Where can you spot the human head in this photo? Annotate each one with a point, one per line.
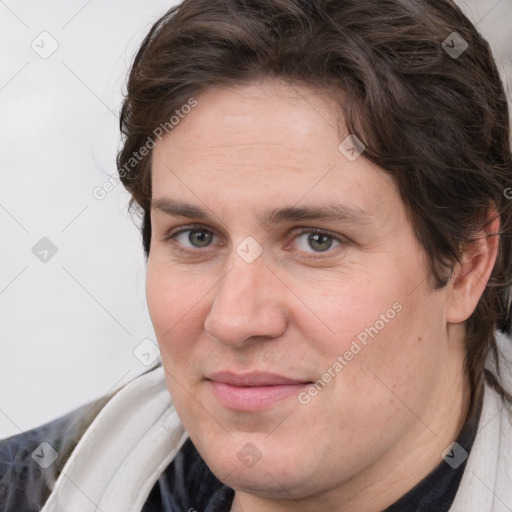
(436, 125)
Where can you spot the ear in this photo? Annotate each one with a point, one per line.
(470, 277)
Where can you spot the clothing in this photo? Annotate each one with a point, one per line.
(117, 454)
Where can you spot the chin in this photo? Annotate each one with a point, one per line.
(264, 469)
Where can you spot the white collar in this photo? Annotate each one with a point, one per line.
(123, 452)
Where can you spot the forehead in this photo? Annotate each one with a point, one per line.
(266, 143)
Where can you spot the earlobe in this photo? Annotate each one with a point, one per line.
(470, 277)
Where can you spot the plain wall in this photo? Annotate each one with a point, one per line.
(69, 325)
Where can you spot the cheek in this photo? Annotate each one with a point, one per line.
(175, 308)
(377, 324)
(348, 311)
(392, 356)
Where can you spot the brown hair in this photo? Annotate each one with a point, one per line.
(436, 122)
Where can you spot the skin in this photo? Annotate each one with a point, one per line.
(381, 423)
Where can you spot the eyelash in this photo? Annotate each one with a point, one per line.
(171, 235)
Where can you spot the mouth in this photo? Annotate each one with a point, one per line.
(253, 391)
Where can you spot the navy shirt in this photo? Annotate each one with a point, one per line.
(188, 485)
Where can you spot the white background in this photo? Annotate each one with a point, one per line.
(68, 327)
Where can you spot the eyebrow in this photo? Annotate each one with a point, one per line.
(329, 212)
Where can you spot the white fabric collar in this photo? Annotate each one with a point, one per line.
(486, 484)
(118, 460)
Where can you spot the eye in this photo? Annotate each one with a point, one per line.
(191, 237)
(318, 240)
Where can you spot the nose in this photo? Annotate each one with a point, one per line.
(248, 305)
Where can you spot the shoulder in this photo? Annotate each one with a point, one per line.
(31, 462)
(121, 455)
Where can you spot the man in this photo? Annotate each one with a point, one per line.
(326, 232)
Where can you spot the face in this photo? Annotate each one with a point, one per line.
(300, 337)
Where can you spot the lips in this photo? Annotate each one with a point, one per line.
(253, 391)
(254, 379)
